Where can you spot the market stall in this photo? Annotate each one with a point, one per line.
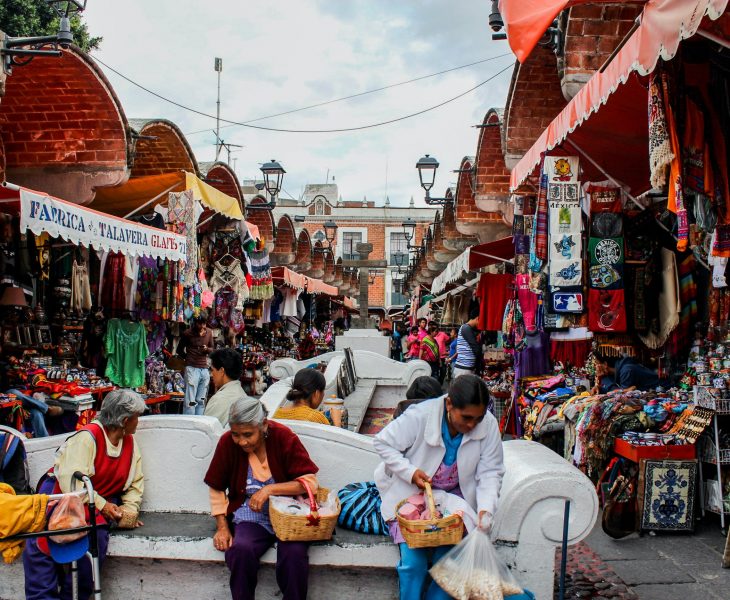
(620, 298)
(72, 330)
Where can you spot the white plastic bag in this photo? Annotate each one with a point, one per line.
(472, 571)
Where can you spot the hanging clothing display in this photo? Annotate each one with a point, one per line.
(80, 288)
(667, 319)
(113, 295)
(493, 292)
(125, 346)
(262, 286)
(183, 216)
(230, 275)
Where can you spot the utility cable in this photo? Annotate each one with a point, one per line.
(380, 89)
(280, 130)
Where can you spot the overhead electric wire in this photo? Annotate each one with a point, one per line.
(281, 130)
(351, 96)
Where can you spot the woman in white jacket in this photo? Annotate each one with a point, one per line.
(453, 443)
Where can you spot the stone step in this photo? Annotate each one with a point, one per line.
(357, 403)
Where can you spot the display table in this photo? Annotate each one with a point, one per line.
(667, 483)
(636, 453)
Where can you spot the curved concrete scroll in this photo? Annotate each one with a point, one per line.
(176, 452)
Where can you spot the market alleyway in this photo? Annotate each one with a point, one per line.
(650, 567)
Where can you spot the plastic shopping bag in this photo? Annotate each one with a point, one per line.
(472, 571)
(68, 514)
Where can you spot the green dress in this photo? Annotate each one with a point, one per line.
(125, 346)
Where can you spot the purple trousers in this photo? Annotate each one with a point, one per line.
(250, 541)
(46, 580)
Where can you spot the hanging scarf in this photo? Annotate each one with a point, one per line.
(676, 188)
(541, 220)
(695, 152)
(660, 150)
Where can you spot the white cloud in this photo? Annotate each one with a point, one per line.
(286, 54)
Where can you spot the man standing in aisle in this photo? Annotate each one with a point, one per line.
(468, 350)
(195, 346)
(442, 339)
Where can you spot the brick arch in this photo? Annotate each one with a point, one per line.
(453, 239)
(592, 33)
(329, 267)
(441, 252)
(166, 151)
(264, 220)
(492, 176)
(470, 220)
(223, 178)
(285, 244)
(304, 252)
(316, 271)
(63, 127)
(535, 97)
(337, 281)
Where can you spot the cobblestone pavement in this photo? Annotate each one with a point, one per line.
(648, 567)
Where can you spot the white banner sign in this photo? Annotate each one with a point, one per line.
(87, 227)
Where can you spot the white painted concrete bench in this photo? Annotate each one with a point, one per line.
(172, 556)
(382, 381)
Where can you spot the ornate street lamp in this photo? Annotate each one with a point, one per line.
(409, 230)
(19, 51)
(427, 166)
(330, 231)
(273, 179)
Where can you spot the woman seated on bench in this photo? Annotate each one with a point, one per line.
(257, 459)
(304, 398)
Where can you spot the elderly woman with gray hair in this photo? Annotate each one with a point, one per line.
(107, 452)
(255, 460)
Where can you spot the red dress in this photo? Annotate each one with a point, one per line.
(493, 292)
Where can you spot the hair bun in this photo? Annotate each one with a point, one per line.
(295, 394)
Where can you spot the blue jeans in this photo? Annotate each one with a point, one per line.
(37, 409)
(413, 573)
(196, 389)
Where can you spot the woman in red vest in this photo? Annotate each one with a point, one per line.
(107, 452)
(255, 460)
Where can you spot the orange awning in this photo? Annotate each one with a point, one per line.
(623, 122)
(144, 193)
(526, 21)
(292, 279)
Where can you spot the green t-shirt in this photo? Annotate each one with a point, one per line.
(125, 346)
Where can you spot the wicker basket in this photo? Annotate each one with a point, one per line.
(435, 532)
(310, 528)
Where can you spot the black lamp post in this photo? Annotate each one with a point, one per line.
(19, 51)
(427, 166)
(330, 231)
(273, 179)
(409, 230)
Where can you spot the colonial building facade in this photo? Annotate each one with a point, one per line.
(361, 221)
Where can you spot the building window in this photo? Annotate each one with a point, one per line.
(398, 249)
(350, 240)
(319, 236)
(319, 207)
(397, 297)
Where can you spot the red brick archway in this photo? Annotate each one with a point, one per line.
(223, 178)
(535, 98)
(304, 252)
(160, 147)
(491, 195)
(317, 269)
(592, 33)
(285, 244)
(264, 220)
(63, 127)
(329, 267)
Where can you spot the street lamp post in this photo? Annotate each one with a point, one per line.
(273, 179)
(427, 166)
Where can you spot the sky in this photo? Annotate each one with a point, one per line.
(282, 55)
